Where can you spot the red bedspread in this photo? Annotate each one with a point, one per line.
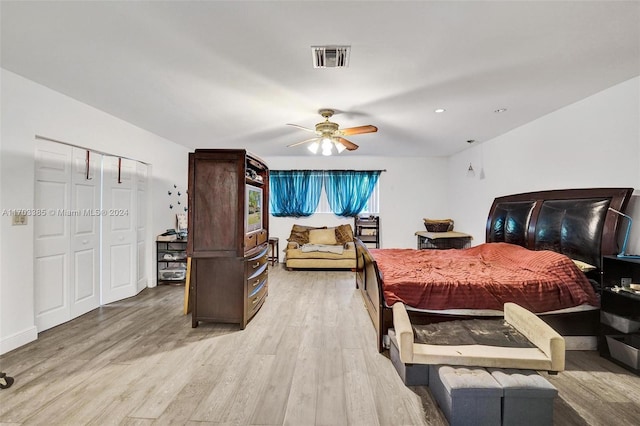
(482, 277)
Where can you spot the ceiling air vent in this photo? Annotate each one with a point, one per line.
(330, 56)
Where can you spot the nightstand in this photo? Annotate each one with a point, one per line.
(619, 338)
(443, 240)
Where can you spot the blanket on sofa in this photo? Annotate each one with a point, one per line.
(337, 249)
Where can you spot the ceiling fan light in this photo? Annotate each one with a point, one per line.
(339, 147)
(326, 152)
(314, 147)
(326, 144)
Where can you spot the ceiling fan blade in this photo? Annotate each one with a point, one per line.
(347, 144)
(304, 141)
(302, 128)
(359, 130)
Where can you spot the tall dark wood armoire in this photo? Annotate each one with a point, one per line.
(228, 235)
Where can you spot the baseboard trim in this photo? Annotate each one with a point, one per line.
(16, 340)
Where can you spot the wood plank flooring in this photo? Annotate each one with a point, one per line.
(307, 358)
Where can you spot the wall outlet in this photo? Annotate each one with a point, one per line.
(625, 282)
(19, 219)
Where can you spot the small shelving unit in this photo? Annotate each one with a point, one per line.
(619, 339)
(443, 240)
(367, 229)
(172, 262)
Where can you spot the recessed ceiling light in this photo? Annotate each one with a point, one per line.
(439, 110)
(499, 110)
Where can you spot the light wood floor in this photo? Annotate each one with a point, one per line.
(307, 358)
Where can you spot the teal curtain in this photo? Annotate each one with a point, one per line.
(294, 193)
(348, 190)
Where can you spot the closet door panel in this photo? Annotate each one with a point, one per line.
(142, 277)
(85, 231)
(119, 236)
(51, 235)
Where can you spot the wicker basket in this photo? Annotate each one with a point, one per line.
(438, 225)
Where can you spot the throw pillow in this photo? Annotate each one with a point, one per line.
(322, 236)
(301, 237)
(344, 234)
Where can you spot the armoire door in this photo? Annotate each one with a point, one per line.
(119, 248)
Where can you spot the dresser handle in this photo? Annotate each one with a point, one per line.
(255, 300)
(256, 265)
(257, 282)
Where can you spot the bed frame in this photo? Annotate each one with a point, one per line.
(574, 222)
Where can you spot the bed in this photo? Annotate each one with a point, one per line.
(576, 223)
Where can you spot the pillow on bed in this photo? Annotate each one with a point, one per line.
(584, 266)
(344, 234)
(322, 236)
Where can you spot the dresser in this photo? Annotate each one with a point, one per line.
(228, 235)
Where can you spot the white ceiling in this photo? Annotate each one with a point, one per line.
(232, 74)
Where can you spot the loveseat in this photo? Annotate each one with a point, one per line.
(320, 248)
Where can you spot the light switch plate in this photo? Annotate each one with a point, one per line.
(19, 219)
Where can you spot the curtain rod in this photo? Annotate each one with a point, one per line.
(325, 170)
(44, 138)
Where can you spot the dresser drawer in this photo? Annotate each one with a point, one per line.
(261, 237)
(250, 241)
(254, 281)
(257, 296)
(255, 263)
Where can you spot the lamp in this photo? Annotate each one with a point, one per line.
(623, 251)
(314, 147)
(470, 172)
(326, 143)
(326, 146)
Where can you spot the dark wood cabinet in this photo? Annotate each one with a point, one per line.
(619, 338)
(228, 235)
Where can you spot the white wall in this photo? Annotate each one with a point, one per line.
(592, 143)
(30, 109)
(410, 189)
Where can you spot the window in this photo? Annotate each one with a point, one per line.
(373, 204)
(299, 193)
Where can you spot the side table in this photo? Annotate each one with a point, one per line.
(443, 240)
(274, 250)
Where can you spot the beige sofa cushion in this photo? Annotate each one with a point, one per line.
(322, 236)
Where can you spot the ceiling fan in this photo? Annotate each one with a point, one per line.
(329, 135)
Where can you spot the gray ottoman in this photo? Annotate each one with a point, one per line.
(466, 395)
(411, 374)
(528, 397)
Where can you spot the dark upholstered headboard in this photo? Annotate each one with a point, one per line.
(574, 222)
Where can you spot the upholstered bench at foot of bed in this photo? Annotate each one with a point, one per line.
(492, 396)
(467, 396)
(527, 397)
(411, 374)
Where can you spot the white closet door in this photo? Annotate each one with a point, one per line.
(52, 234)
(119, 256)
(142, 172)
(85, 231)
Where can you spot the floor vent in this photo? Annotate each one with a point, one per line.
(330, 56)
